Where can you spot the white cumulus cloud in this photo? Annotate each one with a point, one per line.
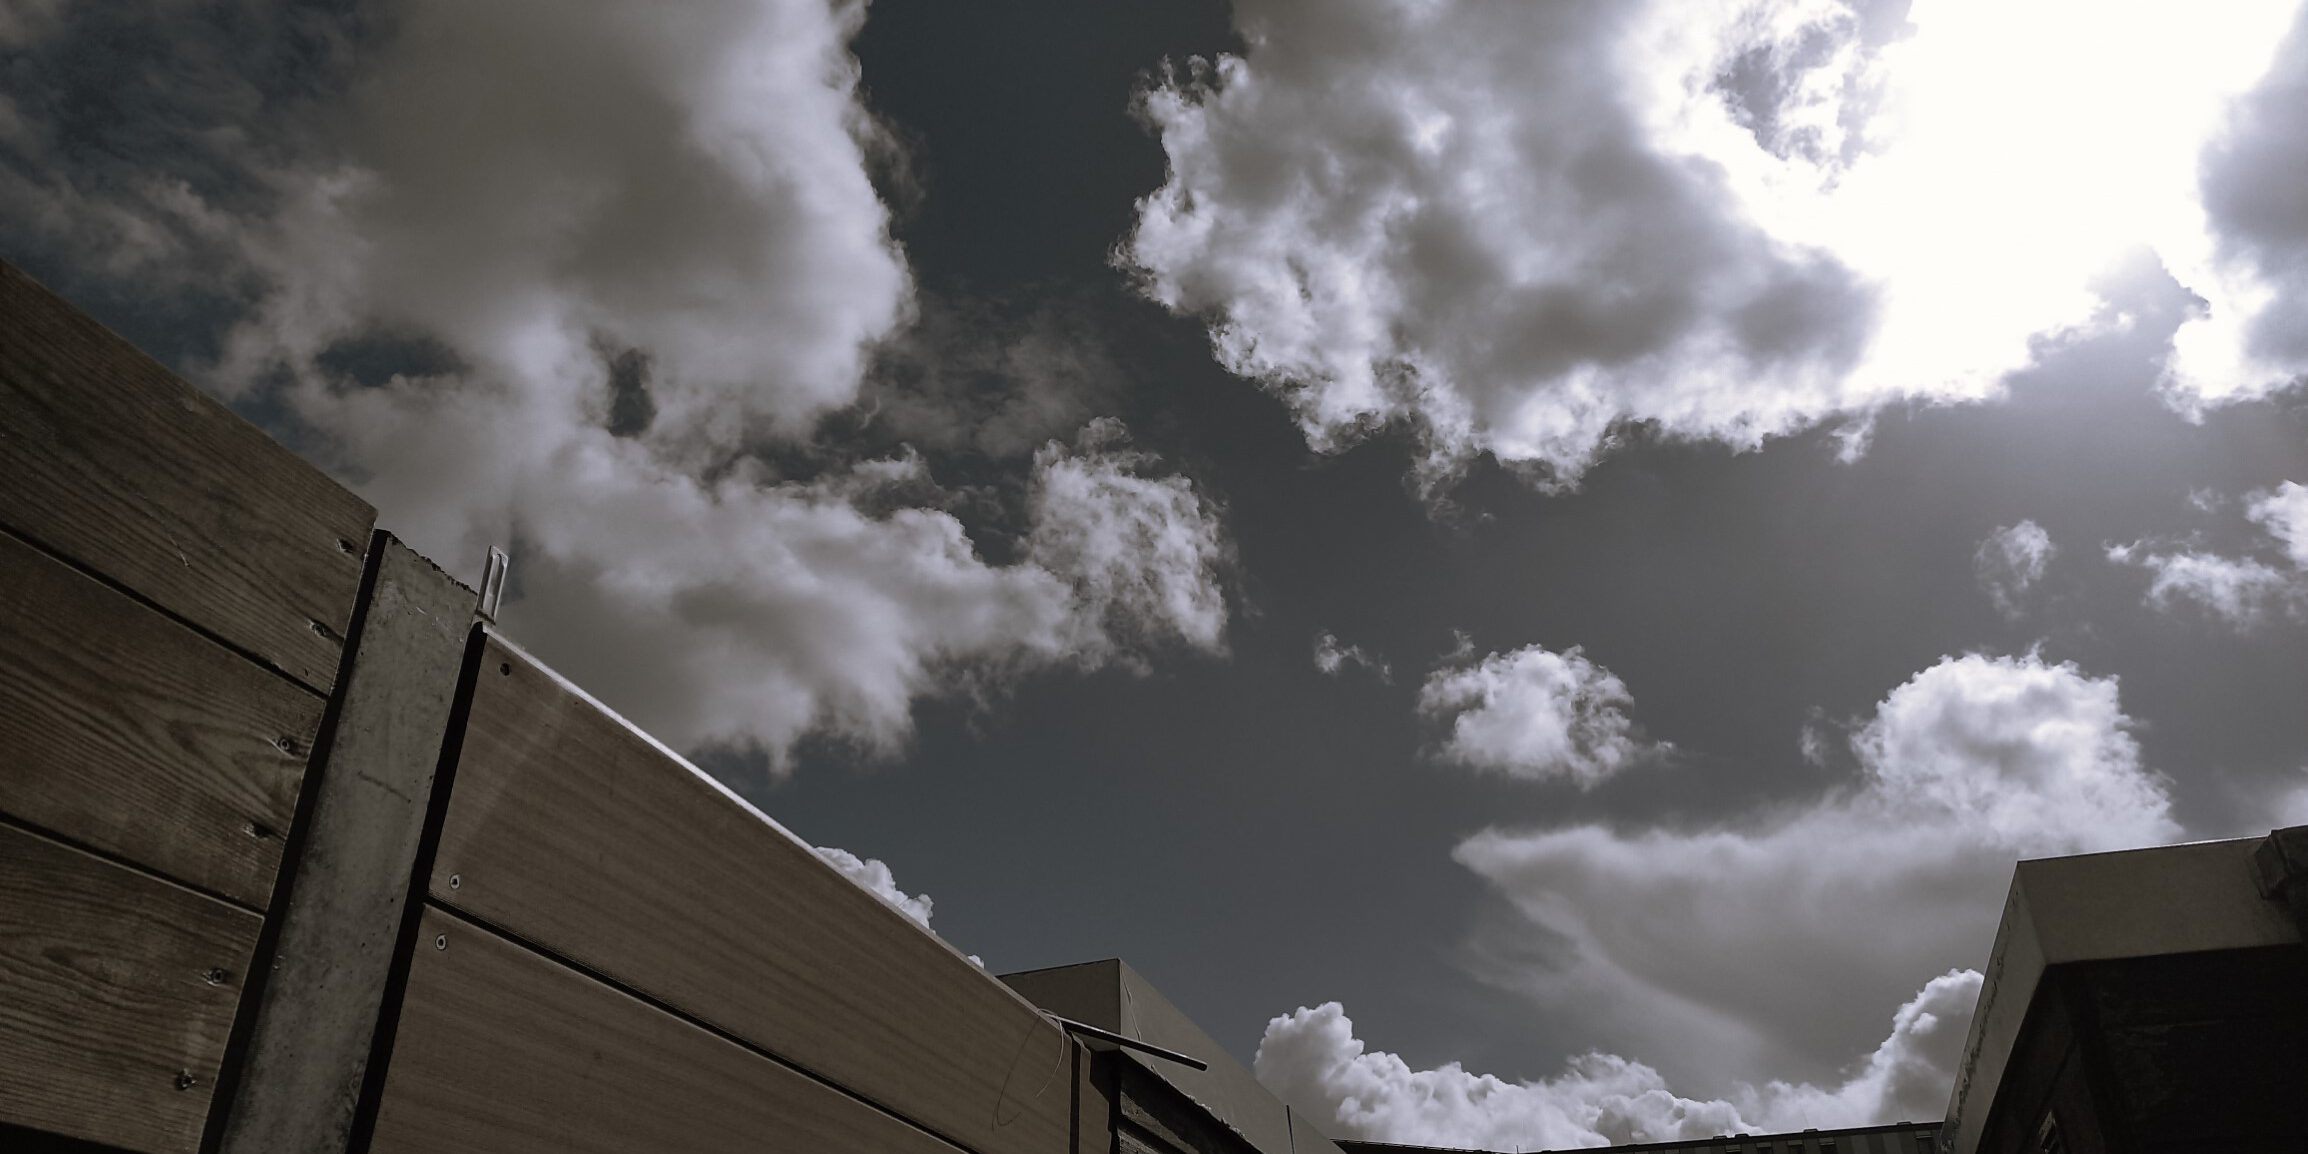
(1534, 713)
(1522, 228)
(2283, 512)
(1312, 1059)
(1776, 938)
(574, 279)
(874, 877)
(1144, 552)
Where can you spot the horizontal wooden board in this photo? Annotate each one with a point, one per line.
(572, 830)
(108, 458)
(117, 990)
(503, 1051)
(124, 730)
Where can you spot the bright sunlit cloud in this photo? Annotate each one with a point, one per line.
(1987, 167)
(1522, 229)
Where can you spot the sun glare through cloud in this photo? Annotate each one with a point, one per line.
(1729, 222)
(1989, 165)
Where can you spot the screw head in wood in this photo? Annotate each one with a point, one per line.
(216, 976)
(456, 880)
(185, 1080)
(440, 941)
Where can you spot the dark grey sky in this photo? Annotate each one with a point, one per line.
(1737, 903)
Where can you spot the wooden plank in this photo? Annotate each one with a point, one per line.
(308, 1043)
(117, 990)
(574, 831)
(109, 459)
(126, 731)
(502, 1050)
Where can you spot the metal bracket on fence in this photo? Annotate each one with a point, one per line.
(493, 585)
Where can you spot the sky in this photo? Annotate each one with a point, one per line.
(1532, 565)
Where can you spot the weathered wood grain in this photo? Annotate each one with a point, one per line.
(309, 1033)
(502, 1050)
(124, 730)
(111, 460)
(117, 990)
(572, 830)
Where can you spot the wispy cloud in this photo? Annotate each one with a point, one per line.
(1755, 941)
(2242, 591)
(2009, 562)
(1332, 657)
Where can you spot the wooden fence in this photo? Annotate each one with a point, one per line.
(298, 854)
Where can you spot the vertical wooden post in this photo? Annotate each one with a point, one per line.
(312, 1020)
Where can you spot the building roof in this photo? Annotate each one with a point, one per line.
(1112, 996)
(2139, 903)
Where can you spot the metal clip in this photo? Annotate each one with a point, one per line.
(493, 585)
